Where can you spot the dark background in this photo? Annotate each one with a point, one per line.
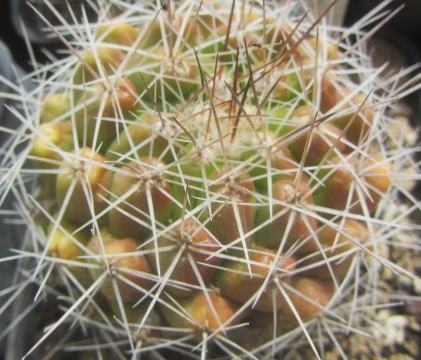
(15, 43)
(404, 29)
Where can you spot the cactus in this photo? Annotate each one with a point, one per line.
(215, 179)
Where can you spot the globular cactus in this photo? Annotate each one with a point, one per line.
(213, 179)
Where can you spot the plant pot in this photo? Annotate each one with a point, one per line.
(8, 233)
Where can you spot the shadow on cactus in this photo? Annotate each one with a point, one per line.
(214, 179)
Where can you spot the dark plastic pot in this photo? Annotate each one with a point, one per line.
(9, 234)
(406, 21)
(5, 71)
(22, 15)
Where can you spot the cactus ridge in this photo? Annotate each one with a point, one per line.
(213, 179)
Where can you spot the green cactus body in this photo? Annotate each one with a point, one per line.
(232, 175)
(141, 191)
(80, 181)
(129, 270)
(190, 246)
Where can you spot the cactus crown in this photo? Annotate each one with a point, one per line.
(212, 178)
